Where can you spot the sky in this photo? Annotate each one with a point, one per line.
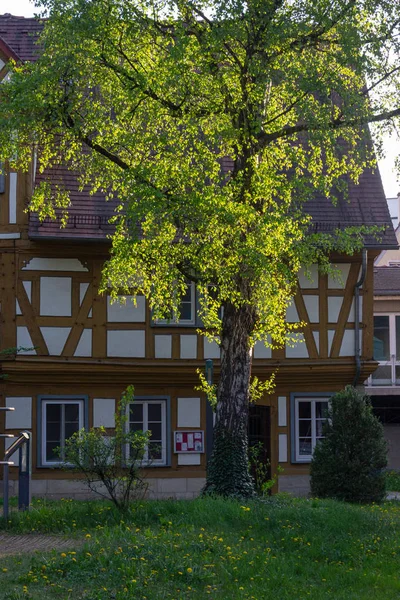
(26, 8)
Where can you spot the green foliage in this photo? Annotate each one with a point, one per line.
(348, 464)
(228, 469)
(160, 93)
(392, 479)
(260, 470)
(110, 464)
(145, 100)
(275, 548)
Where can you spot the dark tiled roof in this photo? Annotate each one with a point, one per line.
(366, 205)
(88, 217)
(387, 281)
(89, 214)
(20, 34)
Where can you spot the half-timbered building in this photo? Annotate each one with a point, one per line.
(81, 351)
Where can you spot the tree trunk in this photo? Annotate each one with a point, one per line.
(228, 468)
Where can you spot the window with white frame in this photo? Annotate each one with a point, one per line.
(151, 415)
(387, 350)
(60, 419)
(187, 309)
(310, 415)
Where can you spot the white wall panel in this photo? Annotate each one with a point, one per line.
(103, 412)
(12, 198)
(188, 346)
(55, 296)
(331, 335)
(282, 411)
(188, 412)
(55, 338)
(261, 350)
(163, 346)
(55, 264)
(82, 291)
(189, 459)
(21, 417)
(310, 281)
(24, 340)
(338, 280)
(334, 306)
(292, 316)
(312, 306)
(126, 343)
(28, 288)
(352, 314)
(282, 445)
(316, 339)
(118, 312)
(211, 349)
(299, 350)
(84, 347)
(347, 347)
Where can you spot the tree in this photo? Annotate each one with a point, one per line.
(348, 464)
(110, 465)
(212, 123)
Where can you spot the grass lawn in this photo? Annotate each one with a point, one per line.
(278, 549)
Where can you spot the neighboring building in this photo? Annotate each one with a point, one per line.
(384, 384)
(82, 351)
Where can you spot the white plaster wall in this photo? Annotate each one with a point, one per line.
(2, 63)
(261, 350)
(211, 349)
(311, 281)
(334, 306)
(163, 346)
(292, 316)
(55, 264)
(347, 347)
(188, 346)
(118, 312)
(312, 306)
(189, 459)
(21, 417)
(188, 412)
(55, 296)
(84, 347)
(82, 291)
(12, 199)
(299, 350)
(331, 335)
(126, 343)
(338, 280)
(352, 314)
(24, 340)
(282, 448)
(103, 412)
(28, 288)
(282, 412)
(55, 338)
(316, 339)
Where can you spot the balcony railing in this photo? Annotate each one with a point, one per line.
(387, 374)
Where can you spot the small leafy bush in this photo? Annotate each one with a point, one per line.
(348, 464)
(110, 465)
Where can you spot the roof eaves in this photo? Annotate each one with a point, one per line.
(8, 51)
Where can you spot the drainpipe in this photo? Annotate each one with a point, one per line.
(357, 316)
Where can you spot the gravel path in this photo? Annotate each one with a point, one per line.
(15, 544)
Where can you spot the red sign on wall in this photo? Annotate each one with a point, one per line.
(188, 441)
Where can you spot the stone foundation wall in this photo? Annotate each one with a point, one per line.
(297, 485)
(158, 488)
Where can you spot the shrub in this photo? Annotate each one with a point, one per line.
(110, 465)
(348, 463)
